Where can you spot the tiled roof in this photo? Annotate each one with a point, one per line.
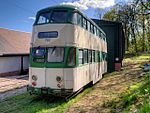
(14, 42)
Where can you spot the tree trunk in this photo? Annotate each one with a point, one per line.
(143, 35)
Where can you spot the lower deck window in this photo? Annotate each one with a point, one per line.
(55, 54)
(81, 56)
(38, 52)
(93, 56)
(85, 56)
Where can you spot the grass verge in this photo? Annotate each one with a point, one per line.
(26, 103)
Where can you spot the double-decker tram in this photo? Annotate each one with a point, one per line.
(68, 51)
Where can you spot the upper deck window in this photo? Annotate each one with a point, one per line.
(43, 18)
(59, 16)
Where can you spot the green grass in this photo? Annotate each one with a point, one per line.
(138, 57)
(26, 103)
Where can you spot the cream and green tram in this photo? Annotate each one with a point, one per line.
(68, 51)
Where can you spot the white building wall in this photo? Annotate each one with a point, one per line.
(10, 64)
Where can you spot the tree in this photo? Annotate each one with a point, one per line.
(135, 21)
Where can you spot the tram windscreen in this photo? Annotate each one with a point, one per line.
(59, 16)
(43, 18)
(38, 52)
(55, 16)
(55, 54)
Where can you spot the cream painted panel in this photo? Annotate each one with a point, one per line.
(30, 74)
(86, 39)
(68, 73)
(69, 84)
(68, 35)
(105, 66)
(68, 77)
(97, 72)
(40, 73)
(101, 69)
(81, 77)
(51, 74)
(65, 35)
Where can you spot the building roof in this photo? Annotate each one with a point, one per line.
(14, 42)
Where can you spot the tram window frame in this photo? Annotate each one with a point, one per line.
(71, 58)
(85, 56)
(88, 26)
(80, 57)
(100, 56)
(63, 56)
(75, 18)
(89, 56)
(96, 56)
(100, 34)
(40, 49)
(46, 21)
(84, 23)
(93, 56)
(94, 30)
(91, 27)
(97, 33)
(79, 19)
(59, 17)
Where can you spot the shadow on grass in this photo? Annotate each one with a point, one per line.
(26, 103)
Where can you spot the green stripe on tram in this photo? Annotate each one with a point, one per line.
(101, 56)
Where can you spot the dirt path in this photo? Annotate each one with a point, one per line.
(108, 89)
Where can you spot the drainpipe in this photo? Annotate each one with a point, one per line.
(21, 69)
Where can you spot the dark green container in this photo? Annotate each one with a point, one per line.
(115, 41)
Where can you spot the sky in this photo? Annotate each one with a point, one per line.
(20, 14)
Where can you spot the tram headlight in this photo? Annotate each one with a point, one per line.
(58, 79)
(34, 77)
(117, 59)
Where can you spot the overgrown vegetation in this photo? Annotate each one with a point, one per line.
(136, 98)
